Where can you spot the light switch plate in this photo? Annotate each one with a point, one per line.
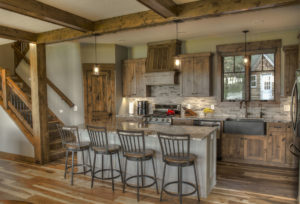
(75, 108)
(212, 106)
(286, 108)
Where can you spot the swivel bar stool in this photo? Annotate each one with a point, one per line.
(176, 152)
(99, 143)
(71, 142)
(133, 146)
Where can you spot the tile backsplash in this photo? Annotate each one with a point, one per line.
(171, 95)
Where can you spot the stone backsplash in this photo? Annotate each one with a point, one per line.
(170, 95)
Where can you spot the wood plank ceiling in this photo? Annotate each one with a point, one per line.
(162, 12)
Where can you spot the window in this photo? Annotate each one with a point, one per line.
(253, 81)
(258, 80)
(262, 65)
(234, 78)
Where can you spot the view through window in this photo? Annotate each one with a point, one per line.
(261, 77)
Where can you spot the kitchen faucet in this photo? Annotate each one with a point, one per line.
(246, 107)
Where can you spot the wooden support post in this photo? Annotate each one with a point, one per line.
(299, 52)
(4, 88)
(39, 102)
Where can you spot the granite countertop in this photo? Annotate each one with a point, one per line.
(196, 132)
(219, 118)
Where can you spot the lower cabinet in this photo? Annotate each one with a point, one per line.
(232, 146)
(255, 148)
(270, 150)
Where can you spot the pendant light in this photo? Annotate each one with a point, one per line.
(177, 61)
(245, 55)
(96, 68)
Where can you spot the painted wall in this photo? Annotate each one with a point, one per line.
(7, 57)
(64, 70)
(105, 53)
(12, 140)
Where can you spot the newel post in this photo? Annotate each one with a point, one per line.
(4, 88)
(39, 102)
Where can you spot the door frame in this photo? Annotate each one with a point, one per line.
(105, 67)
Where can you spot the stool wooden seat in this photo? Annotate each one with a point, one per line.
(176, 152)
(99, 143)
(133, 146)
(71, 142)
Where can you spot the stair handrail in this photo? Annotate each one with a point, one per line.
(16, 89)
(60, 93)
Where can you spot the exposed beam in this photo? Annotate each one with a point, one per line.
(15, 34)
(47, 13)
(189, 11)
(165, 8)
(39, 102)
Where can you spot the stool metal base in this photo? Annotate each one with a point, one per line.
(143, 185)
(107, 178)
(177, 194)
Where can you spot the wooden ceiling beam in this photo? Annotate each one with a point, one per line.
(15, 34)
(47, 13)
(189, 11)
(165, 8)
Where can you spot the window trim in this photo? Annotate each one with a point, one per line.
(259, 47)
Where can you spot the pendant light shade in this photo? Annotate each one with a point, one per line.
(177, 60)
(246, 60)
(96, 68)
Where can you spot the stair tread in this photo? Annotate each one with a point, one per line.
(58, 140)
(53, 121)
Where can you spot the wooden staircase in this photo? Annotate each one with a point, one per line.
(19, 104)
(15, 97)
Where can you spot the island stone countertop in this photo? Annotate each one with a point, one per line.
(196, 132)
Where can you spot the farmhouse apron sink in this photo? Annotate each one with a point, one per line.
(245, 126)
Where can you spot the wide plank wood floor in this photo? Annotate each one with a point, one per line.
(34, 183)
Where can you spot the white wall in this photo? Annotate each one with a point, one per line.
(105, 53)
(12, 140)
(63, 62)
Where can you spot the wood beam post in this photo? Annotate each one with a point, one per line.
(4, 88)
(16, 34)
(299, 57)
(39, 10)
(165, 8)
(39, 102)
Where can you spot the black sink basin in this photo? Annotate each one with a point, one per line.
(245, 126)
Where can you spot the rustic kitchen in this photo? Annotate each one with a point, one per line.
(181, 101)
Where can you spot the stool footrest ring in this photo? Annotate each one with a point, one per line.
(141, 186)
(176, 194)
(107, 178)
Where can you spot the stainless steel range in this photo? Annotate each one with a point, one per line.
(163, 114)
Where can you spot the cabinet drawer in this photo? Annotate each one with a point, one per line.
(276, 127)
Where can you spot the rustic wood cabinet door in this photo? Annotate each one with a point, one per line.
(276, 147)
(99, 93)
(232, 147)
(290, 67)
(255, 148)
(196, 75)
(129, 79)
(133, 78)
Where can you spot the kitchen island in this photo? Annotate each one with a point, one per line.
(203, 144)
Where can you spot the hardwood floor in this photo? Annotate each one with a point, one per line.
(45, 184)
(258, 179)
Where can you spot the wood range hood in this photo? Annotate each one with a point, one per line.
(160, 63)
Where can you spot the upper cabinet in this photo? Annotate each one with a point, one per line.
(160, 55)
(290, 67)
(133, 78)
(196, 74)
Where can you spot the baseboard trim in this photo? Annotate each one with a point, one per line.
(16, 157)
